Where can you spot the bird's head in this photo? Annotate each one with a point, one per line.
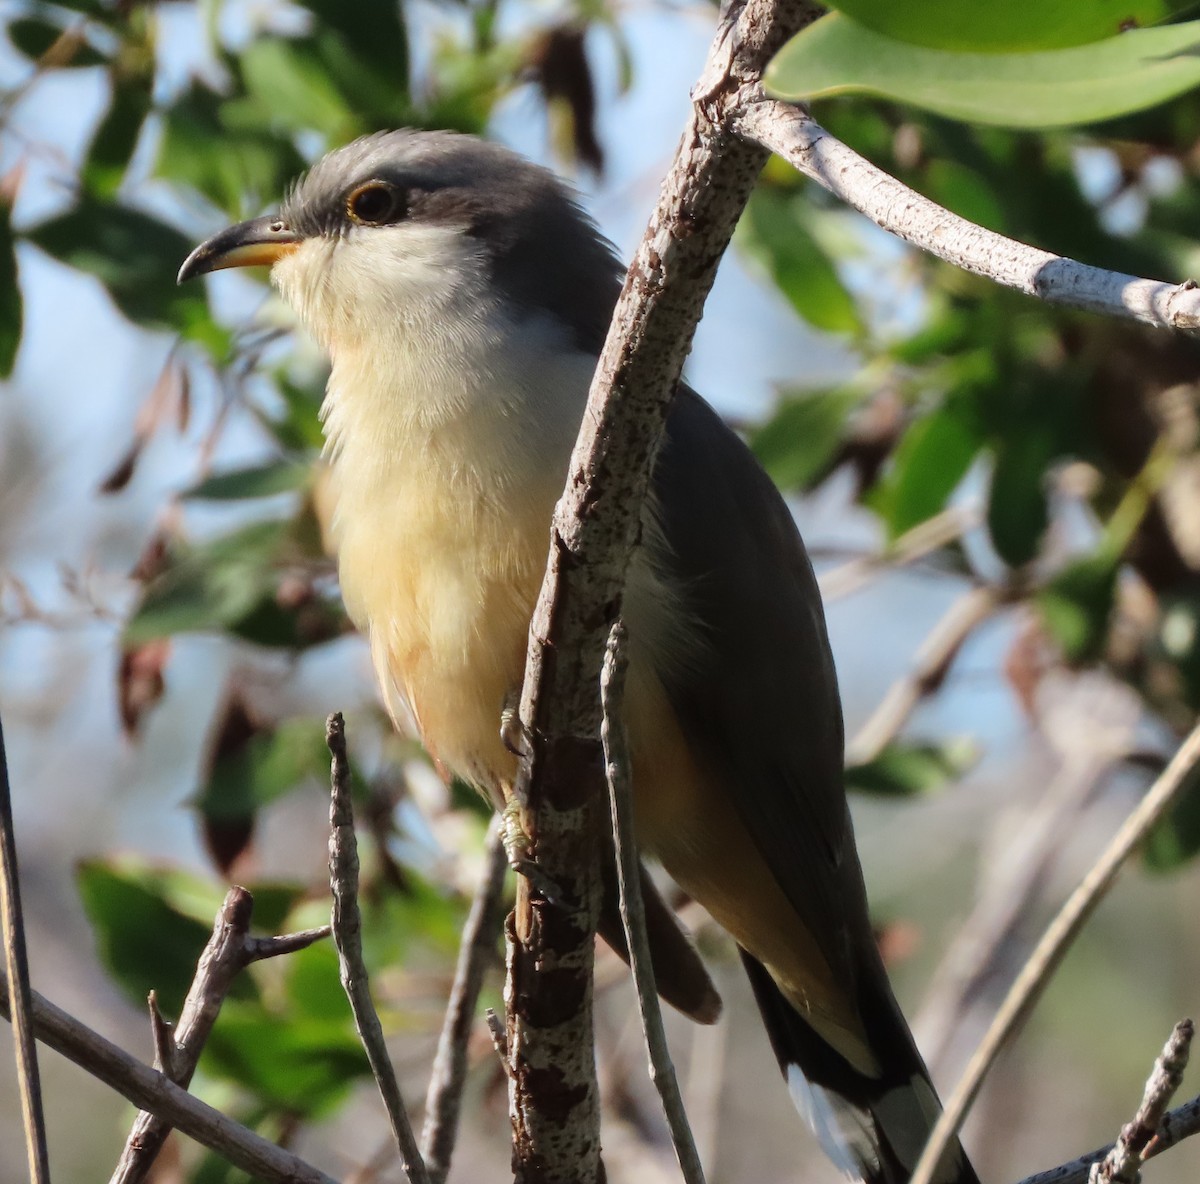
(406, 231)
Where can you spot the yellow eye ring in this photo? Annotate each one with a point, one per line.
(374, 203)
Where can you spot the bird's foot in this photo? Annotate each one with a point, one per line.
(516, 846)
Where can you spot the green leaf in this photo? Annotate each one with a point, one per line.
(269, 766)
(269, 480)
(145, 940)
(288, 80)
(1076, 605)
(1176, 839)
(903, 770)
(1052, 88)
(931, 460)
(116, 137)
(304, 1065)
(11, 315)
(774, 232)
(1005, 25)
(239, 169)
(33, 37)
(134, 255)
(1018, 513)
(374, 30)
(798, 442)
(210, 587)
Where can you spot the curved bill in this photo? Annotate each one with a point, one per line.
(259, 242)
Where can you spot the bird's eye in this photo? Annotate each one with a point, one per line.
(375, 204)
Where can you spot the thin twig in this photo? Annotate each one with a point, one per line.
(1181, 1123)
(932, 664)
(793, 134)
(1054, 944)
(347, 936)
(617, 767)
(1121, 1165)
(443, 1100)
(153, 1091)
(16, 962)
(912, 546)
(228, 951)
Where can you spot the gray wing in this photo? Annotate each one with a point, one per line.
(758, 697)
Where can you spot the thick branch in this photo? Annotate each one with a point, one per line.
(553, 1091)
(793, 134)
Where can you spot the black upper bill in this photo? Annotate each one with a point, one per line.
(259, 242)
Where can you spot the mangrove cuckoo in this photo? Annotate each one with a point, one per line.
(462, 298)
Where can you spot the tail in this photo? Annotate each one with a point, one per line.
(873, 1128)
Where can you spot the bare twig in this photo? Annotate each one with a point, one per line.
(229, 950)
(793, 134)
(617, 767)
(347, 936)
(1054, 943)
(153, 1091)
(1121, 1165)
(933, 662)
(16, 963)
(553, 1098)
(476, 952)
(1181, 1123)
(912, 546)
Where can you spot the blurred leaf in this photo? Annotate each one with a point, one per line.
(798, 442)
(290, 82)
(240, 170)
(298, 429)
(144, 939)
(902, 770)
(35, 38)
(374, 30)
(141, 683)
(1018, 513)
(1176, 839)
(270, 763)
(305, 1065)
(423, 916)
(1005, 25)
(774, 231)
(314, 988)
(10, 294)
(932, 458)
(212, 586)
(1051, 88)
(268, 480)
(135, 257)
(116, 137)
(966, 192)
(1076, 605)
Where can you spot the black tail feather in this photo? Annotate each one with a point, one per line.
(873, 1127)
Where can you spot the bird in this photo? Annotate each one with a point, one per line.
(462, 297)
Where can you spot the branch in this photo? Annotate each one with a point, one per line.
(1054, 944)
(150, 1090)
(793, 134)
(617, 768)
(347, 936)
(230, 950)
(553, 1096)
(16, 964)
(933, 662)
(1121, 1164)
(477, 949)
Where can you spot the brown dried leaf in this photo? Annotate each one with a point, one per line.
(140, 682)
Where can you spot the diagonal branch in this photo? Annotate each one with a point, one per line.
(793, 134)
(150, 1090)
(1055, 942)
(553, 1092)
